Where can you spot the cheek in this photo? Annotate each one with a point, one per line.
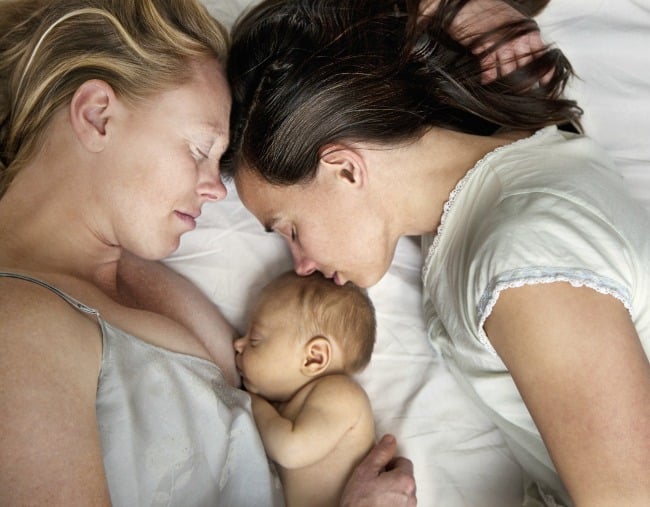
(326, 236)
(251, 364)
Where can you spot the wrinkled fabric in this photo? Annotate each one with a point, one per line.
(547, 208)
(173, 431)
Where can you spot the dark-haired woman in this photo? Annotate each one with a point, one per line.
(356, 123)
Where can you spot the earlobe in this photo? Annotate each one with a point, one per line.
(89, 113)
(345, 162)
(318, 356)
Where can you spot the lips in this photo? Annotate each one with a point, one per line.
(337, 278)
(188, 218)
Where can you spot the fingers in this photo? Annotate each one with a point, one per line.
(489, 68)
(507, 60)
(381, 455)
(381, 479)
(512, 56)
(401, 465)
(428, 7)
(402, 470)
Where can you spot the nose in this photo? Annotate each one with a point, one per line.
(239, 344)
(302, 264)
(210, 187)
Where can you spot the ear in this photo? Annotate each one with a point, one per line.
(90, 109)
(344, 162)
(318, 356)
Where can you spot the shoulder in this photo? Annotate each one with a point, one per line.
(36, 321)
(339, 390)
(337, 381)
(49, 368)
(564, 214)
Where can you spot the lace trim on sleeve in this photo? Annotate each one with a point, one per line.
(448, 205)
(531, 275)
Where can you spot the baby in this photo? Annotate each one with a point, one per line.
(306, 337)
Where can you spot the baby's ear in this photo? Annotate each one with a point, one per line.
(318, 356)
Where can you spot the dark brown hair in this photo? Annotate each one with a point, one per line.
(305, 73)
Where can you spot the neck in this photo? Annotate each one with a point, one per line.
(45, 229)
(435, 163)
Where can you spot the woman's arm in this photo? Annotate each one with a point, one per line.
(583, 374)
(154, 287)
(50, 356)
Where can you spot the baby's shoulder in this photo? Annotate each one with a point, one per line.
(337, 380)
(339, 389)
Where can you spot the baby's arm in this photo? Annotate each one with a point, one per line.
(332, 407)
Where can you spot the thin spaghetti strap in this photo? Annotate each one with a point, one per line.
(72, 301)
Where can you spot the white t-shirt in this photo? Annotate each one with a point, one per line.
(542, 209)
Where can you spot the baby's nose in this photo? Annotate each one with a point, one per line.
(239, 344)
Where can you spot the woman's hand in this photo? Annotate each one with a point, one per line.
(481, 16)
(381, 479)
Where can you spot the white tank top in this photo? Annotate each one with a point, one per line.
(173, 431)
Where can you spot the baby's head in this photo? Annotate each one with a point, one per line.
(303, 327)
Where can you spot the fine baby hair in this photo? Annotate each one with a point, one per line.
(344, 313)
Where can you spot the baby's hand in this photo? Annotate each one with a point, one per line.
(481, 16)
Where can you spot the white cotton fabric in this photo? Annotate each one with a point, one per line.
(173, 431)
(548, 208)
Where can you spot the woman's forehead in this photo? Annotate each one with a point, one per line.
(262, 198)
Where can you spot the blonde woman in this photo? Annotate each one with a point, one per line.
(114, 116)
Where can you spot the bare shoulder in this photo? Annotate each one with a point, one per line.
(340, 390)
(22, 300)
(39, 327)
(50, 357)
(339, 381)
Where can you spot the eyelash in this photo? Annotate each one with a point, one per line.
(198, 153)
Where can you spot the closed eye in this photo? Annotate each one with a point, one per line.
(198, 153)
(292, 235)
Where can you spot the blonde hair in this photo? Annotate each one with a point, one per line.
(343, 313)
(48, 49)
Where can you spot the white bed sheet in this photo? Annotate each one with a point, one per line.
(460, 458)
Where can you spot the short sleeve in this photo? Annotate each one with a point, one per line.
(538, 237)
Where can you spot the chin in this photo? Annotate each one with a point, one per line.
(367, 281)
